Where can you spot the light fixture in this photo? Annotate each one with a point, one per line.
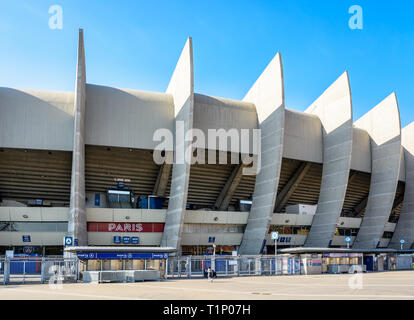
(215, 218)
(127, 217)
(25, 216)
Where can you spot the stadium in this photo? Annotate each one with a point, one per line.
(81, 164)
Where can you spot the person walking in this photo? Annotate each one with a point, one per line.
(210, 275)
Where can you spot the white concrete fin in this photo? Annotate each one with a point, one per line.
(334, 109)
(334, 106)
(267, 93)
(405, 226)
(383, 125)
(181, 85)
(383, 121)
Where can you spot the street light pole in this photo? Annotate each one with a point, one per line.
(214, 257)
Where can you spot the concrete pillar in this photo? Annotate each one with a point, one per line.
(226, 194)
(181, 87)
(405, 226)
(383, 125)
(357, 211)
(334, 109)
(163, 176)
(268, 96)
(77, 213)
(291, 185)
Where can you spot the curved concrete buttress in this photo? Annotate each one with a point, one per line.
(181, 87)
(383, 125)
(77, 213)
(334, 109)
(268, 96)
(405, 226)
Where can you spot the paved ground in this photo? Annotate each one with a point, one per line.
(385, 285)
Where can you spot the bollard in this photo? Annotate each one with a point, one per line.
(188, 267)
(76, 262)
(258, 266)
(166, 268)
(6, 271)
(42, 271)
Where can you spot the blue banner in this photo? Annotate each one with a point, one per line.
(121, 255)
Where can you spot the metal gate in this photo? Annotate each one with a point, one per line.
(196, 266)
(38, 270)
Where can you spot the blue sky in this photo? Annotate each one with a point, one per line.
(135, 44)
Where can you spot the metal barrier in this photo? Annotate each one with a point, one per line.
(196, 266)
(41, 270)
(2, 270)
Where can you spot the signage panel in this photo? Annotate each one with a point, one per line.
(121, 255)
(124, 227)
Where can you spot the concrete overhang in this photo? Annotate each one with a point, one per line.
(121, 249)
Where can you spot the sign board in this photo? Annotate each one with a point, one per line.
(348, 239)
(126, 240)
(234, 253)
(28, 250)
(68, 241)
(275, 235)
(402, 241)
(124, 227)
(97, 200)
(117, 239)
(9, 253)
(134, 240)
(26, 238)
(110, 255)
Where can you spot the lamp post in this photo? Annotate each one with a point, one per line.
(213, 267)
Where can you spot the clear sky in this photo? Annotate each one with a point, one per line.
(135, 44)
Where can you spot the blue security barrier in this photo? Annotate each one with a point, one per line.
(220, 265)
(27, 267)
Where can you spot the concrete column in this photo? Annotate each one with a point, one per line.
(383, 125)
(163, 176)
(360, 207)
(181, 87)
(77, 213)
(291, 185)
(226, 194)
(405, 226)
(268, 96)
(334, 109)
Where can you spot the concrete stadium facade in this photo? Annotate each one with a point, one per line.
(68, 148)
